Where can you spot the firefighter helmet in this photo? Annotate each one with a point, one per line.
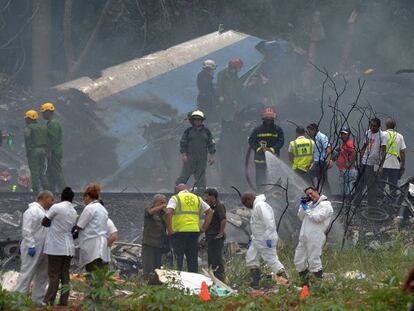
(235, 63)
(210, 64)
(269, 113)
(197, 114)
(31, 114)
(47, 107)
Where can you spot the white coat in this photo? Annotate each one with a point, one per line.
(59, 240)
(262, 221)
(33, 269)
(92, 237)
(263, 227)
(315, 221)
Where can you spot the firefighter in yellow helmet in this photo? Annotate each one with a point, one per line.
(35, 138)
(54, 148)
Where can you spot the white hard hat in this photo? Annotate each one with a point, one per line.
(209, 63)
(197, 114)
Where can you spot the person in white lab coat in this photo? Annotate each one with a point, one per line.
(33, 260)
(316, 217)
(264, 238)
(92, 227)
(59, 246)
(111, 233)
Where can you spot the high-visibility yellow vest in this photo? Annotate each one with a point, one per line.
(302, 149)
(186, 217)
(391, 146)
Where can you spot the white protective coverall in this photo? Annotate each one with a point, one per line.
(263, 227)
(33, 268)
(92, 237)
(315, 221)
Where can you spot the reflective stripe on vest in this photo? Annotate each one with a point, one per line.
(302, 149)
(392, 143)
(186, 217)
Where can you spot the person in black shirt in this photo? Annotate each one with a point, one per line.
(215, 235)
(206, 90)
(197, 148)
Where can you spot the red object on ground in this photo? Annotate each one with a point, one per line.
(304, 292)
(204, 294)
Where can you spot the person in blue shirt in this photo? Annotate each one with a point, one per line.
(321, 158)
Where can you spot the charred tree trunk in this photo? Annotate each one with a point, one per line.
(41, 44)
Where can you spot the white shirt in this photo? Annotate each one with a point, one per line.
(172, 204)
(391, 161)
(59, 240)
(374, 141)
(92, 237)
(262, 220)
(110, 228)
(34, 234)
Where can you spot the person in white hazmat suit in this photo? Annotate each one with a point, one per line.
(33, 261)
(316, 212)
(263, 239)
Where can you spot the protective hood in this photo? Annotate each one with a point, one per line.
(322, 198)
(260, 198)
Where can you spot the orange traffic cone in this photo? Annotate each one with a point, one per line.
(204, 294)
(304, 292)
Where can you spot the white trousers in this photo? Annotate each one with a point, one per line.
(308, 252)
(33, 269)
(258, 249)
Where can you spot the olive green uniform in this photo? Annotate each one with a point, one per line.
(55, 154)
(153, 242)
(35, 138)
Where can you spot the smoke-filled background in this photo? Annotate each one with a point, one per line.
(47, 43)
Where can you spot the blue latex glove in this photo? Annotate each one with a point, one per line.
(269, 243)
(32, 251)
(304, 205)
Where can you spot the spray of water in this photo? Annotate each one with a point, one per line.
(280, 173)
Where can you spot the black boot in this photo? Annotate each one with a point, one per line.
(318, 274)
(304, 275)
(255, 278)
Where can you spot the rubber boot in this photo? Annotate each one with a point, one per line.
(318, 274)
(255, 278)
(304, 275)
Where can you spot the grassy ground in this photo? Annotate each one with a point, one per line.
(385, 270)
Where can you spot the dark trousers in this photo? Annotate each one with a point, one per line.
(392, 176)
(215, 256)
(95, 265)
(261, 177)
(58, 271)
(367, 179)
(37, 165)
(319, 175)
(194, 166)
(186, 243)
(151, 259)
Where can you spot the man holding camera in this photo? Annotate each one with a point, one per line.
(316, 212)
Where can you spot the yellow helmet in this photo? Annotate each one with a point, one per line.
(31, 114)
(47, 107)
